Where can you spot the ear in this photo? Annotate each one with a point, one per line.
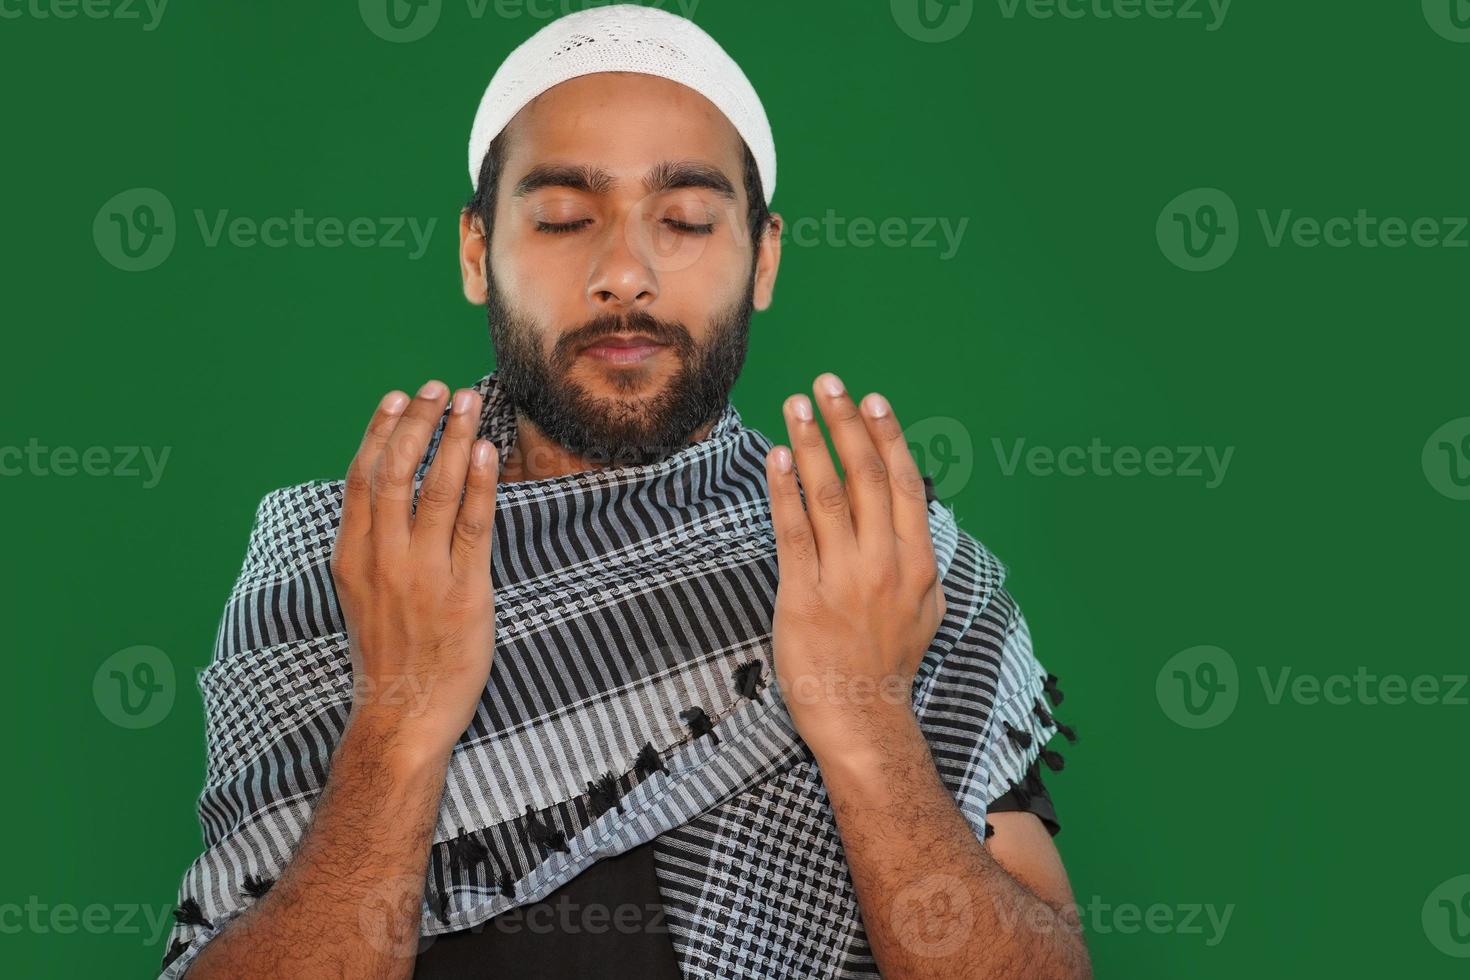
(766, 263)
(472, 256)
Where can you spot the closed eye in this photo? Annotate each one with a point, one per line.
(554, 228)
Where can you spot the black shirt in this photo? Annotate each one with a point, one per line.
(608, 921)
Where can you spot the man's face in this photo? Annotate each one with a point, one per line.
(587, 258)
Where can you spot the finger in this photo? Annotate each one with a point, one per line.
(796, 549)
(909, 503)
(473, 541)
(443, 485)
(357, 513)
(826, 498)
(863, 467)
(394, 471)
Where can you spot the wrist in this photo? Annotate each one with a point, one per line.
(385, 739)
(862, 743)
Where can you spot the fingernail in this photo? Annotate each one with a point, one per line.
(782, 458)
(877, 405)
(801, 408)
(462, 402)
(431, 389)
(394, 401)
(830, 384)
(482, 452)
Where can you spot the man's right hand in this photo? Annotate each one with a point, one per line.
(414, 583)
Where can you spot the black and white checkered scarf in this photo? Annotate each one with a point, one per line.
(631, 697)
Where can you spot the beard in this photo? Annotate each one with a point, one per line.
(620, 431)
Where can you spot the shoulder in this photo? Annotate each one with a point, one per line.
(294, 527)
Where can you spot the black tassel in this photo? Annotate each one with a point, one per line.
(1042, 715)
(698, 722)
(1048, 719)
(466, 851)
(190, 914)
(749, 680)
(603, 795)
(441, 907)
(257, 885)
(507, 884)
(549, 840)
(989, 830)
(175, 950)
(1049, 685)
(1022, 740)
(1053, 760)
(648, 761)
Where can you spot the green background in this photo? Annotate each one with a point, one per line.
(1324, 550)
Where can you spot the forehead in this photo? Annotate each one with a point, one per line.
(624, 122)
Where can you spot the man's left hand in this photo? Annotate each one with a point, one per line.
(859, 598)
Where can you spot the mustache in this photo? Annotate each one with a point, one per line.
(635, 321)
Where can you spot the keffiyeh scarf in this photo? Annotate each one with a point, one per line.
(632, 697)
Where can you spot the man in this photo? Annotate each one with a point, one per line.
(586, 638)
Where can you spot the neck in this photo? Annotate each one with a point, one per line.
(535, 456)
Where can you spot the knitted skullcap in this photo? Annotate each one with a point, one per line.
(624, 37)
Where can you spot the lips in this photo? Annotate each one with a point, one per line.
(624, 340)
(623, 348)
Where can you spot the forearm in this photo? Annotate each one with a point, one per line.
(347, 904)
(934, 903)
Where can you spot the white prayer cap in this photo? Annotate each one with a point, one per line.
(624, 37)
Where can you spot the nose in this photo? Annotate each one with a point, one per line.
(622, 277)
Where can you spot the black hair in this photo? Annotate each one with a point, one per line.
(482, 204)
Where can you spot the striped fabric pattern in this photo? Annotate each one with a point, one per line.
(632, 698)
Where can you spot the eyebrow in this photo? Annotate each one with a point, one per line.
(666, 176)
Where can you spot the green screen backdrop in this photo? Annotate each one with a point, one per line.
(1170, 294)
